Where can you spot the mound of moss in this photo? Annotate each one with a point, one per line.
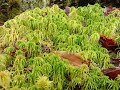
(24, 66)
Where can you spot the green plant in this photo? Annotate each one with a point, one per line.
(5, 79)
(21, 41)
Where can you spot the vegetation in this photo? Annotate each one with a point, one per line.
(24, 66)
(11, 8)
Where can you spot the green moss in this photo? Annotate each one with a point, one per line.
(25, 34)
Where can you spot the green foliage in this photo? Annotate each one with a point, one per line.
(21, 39)
(5, 79)
(43, 83)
